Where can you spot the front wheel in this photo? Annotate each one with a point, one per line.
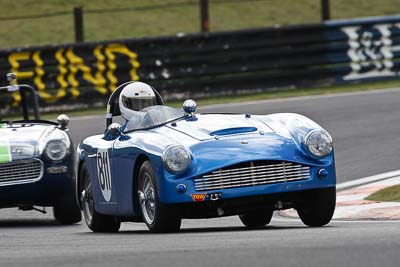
(256, 219)
(158, 217)
(67, 211)
(317, 206)
(96, 222)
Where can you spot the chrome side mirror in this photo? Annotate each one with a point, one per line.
(63, 121)
(190, 106)
(115, 129)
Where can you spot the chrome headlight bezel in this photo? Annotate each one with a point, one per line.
(314, 139)
(176, 155)
(56, 138)
(56, 150)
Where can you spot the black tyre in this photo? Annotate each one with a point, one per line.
(256, 219)
(96, 222)
(317, 206)
(67, 210)
(158, 217)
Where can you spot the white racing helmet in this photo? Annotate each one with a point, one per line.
(134, 97)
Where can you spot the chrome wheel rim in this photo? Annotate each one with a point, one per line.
(147, 199)
(87, 199)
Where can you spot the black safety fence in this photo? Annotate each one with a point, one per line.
(195, 15)
(220, 63)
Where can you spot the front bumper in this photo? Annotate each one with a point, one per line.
(242, 205)
(56, 181)
(169, 194)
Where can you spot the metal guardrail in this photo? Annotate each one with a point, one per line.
(214, 63)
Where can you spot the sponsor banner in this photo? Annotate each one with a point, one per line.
(372, 51)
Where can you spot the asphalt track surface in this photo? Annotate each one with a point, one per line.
(365, 128)
(220, 242)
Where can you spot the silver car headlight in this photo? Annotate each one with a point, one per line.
(176, 159)
(56, 150)
(319, 143)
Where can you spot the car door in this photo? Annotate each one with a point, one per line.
(100, 165)
(124, 156)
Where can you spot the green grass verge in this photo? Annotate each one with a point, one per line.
(165, 21)
(388, 194)
(253, 97)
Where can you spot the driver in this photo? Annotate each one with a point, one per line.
(133, 98)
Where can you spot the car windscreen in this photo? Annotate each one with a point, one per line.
(11, 105)
(154, 116)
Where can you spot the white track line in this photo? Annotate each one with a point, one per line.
(279, 218)
(367, 180)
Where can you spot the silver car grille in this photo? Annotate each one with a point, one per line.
(20, 171)
(252, 174)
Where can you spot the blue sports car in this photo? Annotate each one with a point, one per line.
(36, 160)
(164, 164)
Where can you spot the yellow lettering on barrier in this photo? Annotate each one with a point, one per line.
(62, 73)
(110, 50)
(14, 59)
(39, 74)
(101, 87)
(69, 65)
(73, 60)
(77, 63)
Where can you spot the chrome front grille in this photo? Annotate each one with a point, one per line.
(252, 174)
(20, 171)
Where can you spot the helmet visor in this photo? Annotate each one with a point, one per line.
(138, 103)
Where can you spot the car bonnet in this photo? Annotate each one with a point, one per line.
(21, 141)
(209, 126)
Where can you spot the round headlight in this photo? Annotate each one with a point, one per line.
(56, 150)
(319, 143)
(176, 159)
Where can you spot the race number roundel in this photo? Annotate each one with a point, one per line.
(104, 173)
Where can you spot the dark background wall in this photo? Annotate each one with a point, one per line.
(211, 64)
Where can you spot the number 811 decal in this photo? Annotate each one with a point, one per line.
(103, 172)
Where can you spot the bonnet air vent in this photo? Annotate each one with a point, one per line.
(237, 130)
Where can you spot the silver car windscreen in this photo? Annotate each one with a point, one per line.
(153, 116)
